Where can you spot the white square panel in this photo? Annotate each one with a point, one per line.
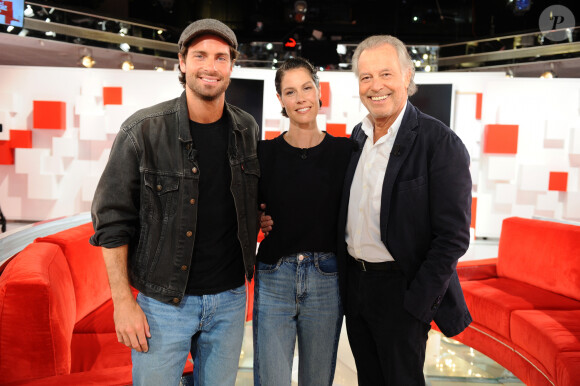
(92, 128)
(534, 177)
(52, 165)
(92, 86)
(88, 188)
(501, 168)
(65, 147)
(115, 116)
(547, 201)
(88, 105)
(572, 207)
(28, 161)
(526, 211)
(557, 129)
(505, 193)
(42, 187)
(575, 140)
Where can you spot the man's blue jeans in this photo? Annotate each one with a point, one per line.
(216, 324)
(297, 297)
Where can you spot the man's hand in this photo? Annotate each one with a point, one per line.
(266, 221)
(130, 320)
(131, 325)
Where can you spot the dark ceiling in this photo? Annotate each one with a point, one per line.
(350, 21)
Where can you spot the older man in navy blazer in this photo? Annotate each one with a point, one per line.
(405, 216)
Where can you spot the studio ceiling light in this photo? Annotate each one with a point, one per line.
(87, 61)
(127, 65)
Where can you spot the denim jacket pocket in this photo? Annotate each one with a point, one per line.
(251, 166)
(162, 195)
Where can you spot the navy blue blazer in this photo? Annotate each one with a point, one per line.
(425, 216)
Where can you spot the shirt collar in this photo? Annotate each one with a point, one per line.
(368, 126)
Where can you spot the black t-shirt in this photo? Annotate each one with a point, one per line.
(302, 189)
(217, 263)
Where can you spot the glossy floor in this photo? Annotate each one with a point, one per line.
(447, 362)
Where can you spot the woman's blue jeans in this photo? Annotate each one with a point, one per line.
(296, 298)
(216, 324)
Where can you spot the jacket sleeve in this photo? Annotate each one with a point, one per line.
(449, 199)
(116, 204)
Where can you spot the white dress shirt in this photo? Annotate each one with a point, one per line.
(363, 226)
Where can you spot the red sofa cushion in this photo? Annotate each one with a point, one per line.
(568, 368)
(545, 333)
(100, 320)
(541, 253)
(115, 376)
(98, 351)
(37, 314)
(492, 301)
(477, 269)
(86, 265)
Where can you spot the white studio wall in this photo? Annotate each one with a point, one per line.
(58, 125)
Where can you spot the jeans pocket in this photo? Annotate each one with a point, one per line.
(239, 290)
(326, 264)
(268, 268)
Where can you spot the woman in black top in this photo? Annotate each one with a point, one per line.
(296, 289)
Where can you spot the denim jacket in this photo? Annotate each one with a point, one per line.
(147, 195)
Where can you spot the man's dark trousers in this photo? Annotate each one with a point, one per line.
(388, 343)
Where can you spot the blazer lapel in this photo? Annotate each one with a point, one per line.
(401, 149)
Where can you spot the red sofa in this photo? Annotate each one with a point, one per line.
(56, 316)
(526, 303)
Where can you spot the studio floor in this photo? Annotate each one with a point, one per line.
(447, 362)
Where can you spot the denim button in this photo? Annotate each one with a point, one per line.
(176, 300)
(184, 267)
(192, 201)
(189, 233)
(188, 146)
(301, 257)
(194, 170)
(159, 187)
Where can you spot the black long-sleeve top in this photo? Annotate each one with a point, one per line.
(302, 190)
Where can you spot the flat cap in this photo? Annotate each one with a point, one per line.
(207, 27)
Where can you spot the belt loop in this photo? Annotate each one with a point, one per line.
(363, 265)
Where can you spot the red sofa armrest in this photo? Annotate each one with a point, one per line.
(37, 314)
(477, 269)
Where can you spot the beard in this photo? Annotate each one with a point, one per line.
(206, 92)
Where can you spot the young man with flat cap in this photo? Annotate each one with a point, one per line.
(175, 212)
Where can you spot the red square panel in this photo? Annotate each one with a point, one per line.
(21, 139)
(49, 115)
(478, 103)
(500, 139)
(6, 153)
(271, 134)
(558, 181)
(336, 129)
(112, 95)
(325, 93)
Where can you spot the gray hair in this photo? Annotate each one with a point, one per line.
(404, 58)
